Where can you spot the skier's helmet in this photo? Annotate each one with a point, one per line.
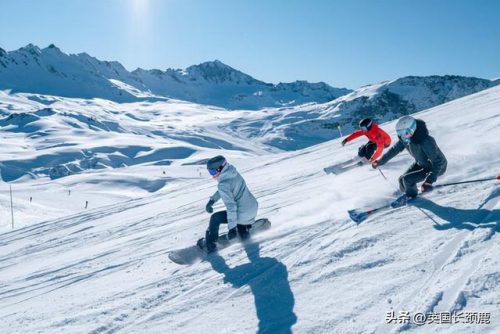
(215, 165)
(406, 127)
(365, 124)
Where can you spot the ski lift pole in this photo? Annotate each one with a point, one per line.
(11, 206)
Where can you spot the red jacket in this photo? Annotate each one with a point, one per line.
(376, 135)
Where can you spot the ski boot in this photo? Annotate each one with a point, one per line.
(401, 201)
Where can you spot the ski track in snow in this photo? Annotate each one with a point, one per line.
(106, 270)
(426, 298)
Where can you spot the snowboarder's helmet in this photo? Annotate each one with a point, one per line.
(365, 124)
(215, 165)
(406, 127)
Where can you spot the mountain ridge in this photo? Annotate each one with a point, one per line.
(50, 71)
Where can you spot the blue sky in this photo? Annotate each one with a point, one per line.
(344, 43)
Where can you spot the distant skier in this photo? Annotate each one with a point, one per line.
(429, 163)
(241, 205)
(378, 139)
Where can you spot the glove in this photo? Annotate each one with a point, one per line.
(344, 142)
(426, 187)
(375, 164)
(208, 207)
(231, 234)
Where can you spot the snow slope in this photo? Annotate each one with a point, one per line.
(102, 152)
(49, 135)
(105, 270)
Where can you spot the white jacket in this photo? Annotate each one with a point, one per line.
(240, 204)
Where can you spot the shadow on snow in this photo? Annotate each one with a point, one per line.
(468, 219)
(268, 280)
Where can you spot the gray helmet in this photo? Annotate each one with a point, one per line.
(406, 127)
(216, 164)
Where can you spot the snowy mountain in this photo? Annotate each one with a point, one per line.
(302, 126)
(105, 269)
(50, 71)
(215, 83)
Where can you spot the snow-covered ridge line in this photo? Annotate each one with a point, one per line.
(306, 125)
(53, 72)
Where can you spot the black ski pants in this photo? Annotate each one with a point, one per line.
(366, 151)
(216, 220)
(408, 181)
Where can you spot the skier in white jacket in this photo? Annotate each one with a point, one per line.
(241, 205)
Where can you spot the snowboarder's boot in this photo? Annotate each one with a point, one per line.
(201, 243)
(209, 243)
(244, 231)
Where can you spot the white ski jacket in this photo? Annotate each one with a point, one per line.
(240, 204)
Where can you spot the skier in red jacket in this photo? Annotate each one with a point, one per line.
(369, 152)
(378, 140)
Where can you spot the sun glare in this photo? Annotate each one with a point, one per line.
(139, 8)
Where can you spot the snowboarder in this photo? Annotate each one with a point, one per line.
(378, 139)
(241, 205)
(429, 163)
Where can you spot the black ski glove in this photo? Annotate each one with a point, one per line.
(208, 207)
(231, 234)
(344, 142)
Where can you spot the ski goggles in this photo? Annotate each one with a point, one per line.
(405, 133)
(215, 171)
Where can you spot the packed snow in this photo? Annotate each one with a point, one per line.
(105, 268)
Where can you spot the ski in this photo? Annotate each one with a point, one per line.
(344, 166)
(360, 215)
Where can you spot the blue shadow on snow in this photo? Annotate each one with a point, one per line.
(468, 219)
(268, 280)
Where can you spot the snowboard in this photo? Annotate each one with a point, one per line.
(192, 254)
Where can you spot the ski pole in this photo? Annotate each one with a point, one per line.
(468, 181)
(380, 170)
